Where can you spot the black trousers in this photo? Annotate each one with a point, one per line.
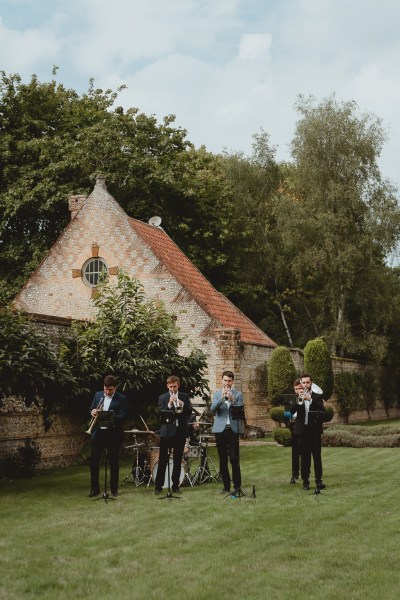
(177, 444)
(310, 445)
(295, 456)
(102, 440)
(228, 448)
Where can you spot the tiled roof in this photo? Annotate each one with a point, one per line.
(211, 301)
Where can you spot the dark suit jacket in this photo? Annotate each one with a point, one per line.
(314, 421)
(118, 405)
(182, 417)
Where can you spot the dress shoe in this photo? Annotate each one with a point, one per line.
(93, 493)
(157, 491)
(114, 494)
(306, 485)
(320, 485)
(293, 480)
(225, 491)
(175, 489)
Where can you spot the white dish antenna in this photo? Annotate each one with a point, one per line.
(155, 221)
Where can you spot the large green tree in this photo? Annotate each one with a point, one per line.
(137, 341)
(350, 222)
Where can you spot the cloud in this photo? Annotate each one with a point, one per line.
(226, 67)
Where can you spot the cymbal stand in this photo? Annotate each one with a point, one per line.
(137, 475)
(203, 472)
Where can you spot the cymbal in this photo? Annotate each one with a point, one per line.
(134, 446)
(138, 431)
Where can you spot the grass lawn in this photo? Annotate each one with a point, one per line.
(56, 543)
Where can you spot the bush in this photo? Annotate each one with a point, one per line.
(347, 393)
(318, 362)
(282, 436)
(281, 374)
(328, 414)
(24, 462)
(276, 414)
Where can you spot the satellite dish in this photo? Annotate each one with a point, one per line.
(156, 221)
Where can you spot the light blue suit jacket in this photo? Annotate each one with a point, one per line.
(221, 410)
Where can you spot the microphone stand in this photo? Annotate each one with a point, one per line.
(166, 416)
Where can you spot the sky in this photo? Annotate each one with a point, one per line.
(225, 68)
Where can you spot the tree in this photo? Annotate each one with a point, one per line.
(137, 341)
(351, 221)
(31, 365)
(281, 374)
(258, 269)
(318, 362)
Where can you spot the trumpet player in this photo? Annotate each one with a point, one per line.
(227, 431)
(173, 434)
(109, 439)
(308, 429)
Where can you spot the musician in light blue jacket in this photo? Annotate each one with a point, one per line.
(227, 430)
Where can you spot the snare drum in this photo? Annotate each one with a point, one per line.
(171, 466)
(193, 452)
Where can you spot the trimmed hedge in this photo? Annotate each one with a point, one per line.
(282, 436)
(318, 362)
(281, 374)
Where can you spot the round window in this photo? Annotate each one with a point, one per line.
(92, 269)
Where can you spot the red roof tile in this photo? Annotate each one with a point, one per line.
(211, 301)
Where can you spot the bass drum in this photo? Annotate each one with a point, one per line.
(171, 466)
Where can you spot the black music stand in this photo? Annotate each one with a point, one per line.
(167, 416)
(105, 422)
(236, 413)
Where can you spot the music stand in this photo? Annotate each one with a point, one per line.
(236, 414)
(167, 416)
(105, 422)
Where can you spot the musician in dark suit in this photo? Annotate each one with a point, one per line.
(308, 429)
(227, 431)
(172, 434)
(111, 400)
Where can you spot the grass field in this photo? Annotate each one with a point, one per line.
(56, 543)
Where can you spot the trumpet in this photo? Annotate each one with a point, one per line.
(304, 395)
(178, 404)
(94, 419)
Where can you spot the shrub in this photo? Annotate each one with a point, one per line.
(318, 362)
(328, 414)
(347, 393)
(282, 436)
(276, 414)
(369, 390)
(24, 462)
(281, 374)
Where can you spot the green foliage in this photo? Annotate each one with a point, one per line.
(328, 414)
(276, 414)
(54, 142)
(318, 362)
(369, 388)
(24, 462)
(281, 374)
(30, 364)
(353, 221)
(282, 436)
(347, 392)
(134, 339)
(357, 436)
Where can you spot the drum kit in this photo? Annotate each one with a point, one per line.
(197, 466)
